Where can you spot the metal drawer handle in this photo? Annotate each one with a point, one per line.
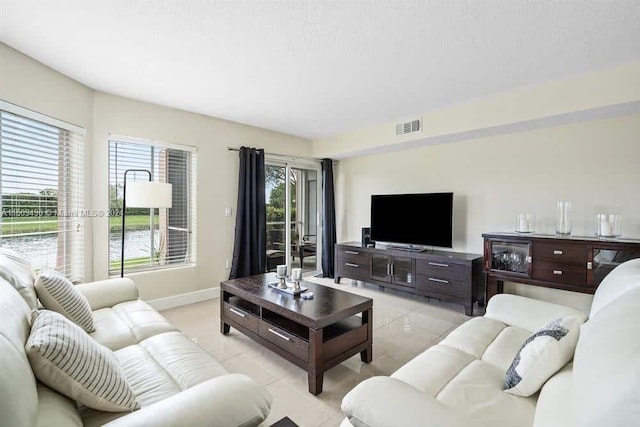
(348, 264)
(239, 313)
(557, 272)
(437, 264)
(431, 279)
(351, 252)
(284, 337)
(557, 252)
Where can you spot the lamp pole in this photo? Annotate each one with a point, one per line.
(124, 210)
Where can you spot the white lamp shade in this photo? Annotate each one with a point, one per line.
(148, 194)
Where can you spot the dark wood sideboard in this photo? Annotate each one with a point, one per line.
(446, 275)
(571, 263)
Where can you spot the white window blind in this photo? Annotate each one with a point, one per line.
(42, 185)
(154, 238)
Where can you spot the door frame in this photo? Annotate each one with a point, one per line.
(308, 164)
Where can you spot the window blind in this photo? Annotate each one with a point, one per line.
(154, 238)
(42, 187)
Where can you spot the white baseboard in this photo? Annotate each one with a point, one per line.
(184, 299)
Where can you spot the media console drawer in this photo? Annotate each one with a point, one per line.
(454, 276)
(354, 270)
(354, 256)
(439, 268)
(440, 285)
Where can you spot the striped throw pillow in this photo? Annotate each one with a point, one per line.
(69, 361)
(57, 293)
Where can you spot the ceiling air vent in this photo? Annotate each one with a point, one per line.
(409, 127)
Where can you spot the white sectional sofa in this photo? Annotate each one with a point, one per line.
(175, 382)
(459, 381)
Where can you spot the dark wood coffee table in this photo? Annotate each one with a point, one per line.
(315, 334)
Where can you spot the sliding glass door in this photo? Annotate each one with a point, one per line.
(293, 215)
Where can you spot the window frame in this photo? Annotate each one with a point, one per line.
(191, 202)
(73, 249)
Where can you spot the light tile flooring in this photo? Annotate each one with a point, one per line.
(404, 326)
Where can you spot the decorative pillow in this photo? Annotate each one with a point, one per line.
(57, 293)
(66, 359)
(543, 354)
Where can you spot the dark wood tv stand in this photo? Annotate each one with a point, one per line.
(452, 276)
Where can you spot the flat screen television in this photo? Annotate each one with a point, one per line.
(424, 219)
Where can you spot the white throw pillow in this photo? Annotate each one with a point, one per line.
(66, 359)
(57, 293)
(543, 354)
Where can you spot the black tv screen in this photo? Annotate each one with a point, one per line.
(415, 219)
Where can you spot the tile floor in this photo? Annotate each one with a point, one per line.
(404, 326)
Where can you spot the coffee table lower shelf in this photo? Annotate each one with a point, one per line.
(314, 350)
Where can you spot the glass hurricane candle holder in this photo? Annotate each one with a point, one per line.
(563, 219)
(608, 225)
(525, 223)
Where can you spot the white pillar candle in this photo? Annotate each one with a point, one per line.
(296, 274)
(605, 226)
(281, 271)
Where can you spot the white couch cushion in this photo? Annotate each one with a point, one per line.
(389, 402)
(432, 370)
(463, 383)
(232, 400)
(66, 359)
(57, 293)
(18, 397)
(128, 323)
(474, 336)
(543, 354)
(158, 368)
(554, 402)
(527, 313)
(55, 409)
(19, 274)
(606, 367)
(623, 278)
(502, 350)
(477, 391)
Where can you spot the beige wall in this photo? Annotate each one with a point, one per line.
(216, 182)
(595, 165)
(597, 94)
(29, 84)
(34, 86)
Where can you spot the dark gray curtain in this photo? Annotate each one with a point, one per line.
(329, 215)
(250, 246)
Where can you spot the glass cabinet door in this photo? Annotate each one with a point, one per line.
(402, 269)
(603, 259)
(510, 257)
(380, 267)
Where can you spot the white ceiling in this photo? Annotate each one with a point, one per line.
(320, 67)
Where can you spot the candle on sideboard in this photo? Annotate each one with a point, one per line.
(604, 226)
